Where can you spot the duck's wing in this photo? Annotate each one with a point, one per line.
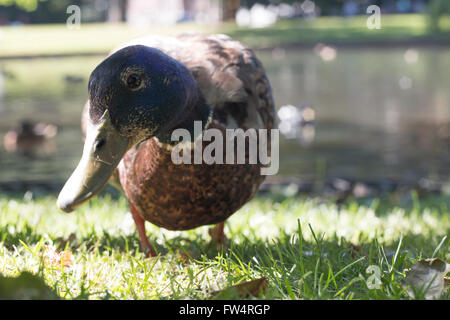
(230, 77)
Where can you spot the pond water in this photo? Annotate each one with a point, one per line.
(378, 113)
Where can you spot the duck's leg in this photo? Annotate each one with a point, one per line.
(140, 225)
(218, 235)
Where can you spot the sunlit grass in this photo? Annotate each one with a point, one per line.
(90, 38)
(27, 76)
(101, 38)
(303, 246)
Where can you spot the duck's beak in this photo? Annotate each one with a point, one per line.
(103, 150)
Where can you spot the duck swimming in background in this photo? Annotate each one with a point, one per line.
(138, 96)
(28, 136)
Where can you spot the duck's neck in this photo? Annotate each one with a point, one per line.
(197, 110)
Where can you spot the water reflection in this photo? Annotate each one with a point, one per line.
(364, 114)
(372, 108)
(411, 56)
(2, 81)
(297, 123)
(326, 53)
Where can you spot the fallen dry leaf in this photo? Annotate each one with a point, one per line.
(184, 256)
(427, 276)
(54, 257)
(356, 251)
(243, 290)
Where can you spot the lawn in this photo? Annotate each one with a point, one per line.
(301, 247)
(32, 40)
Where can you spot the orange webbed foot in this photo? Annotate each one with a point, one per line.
(218, 236)
(140, 225)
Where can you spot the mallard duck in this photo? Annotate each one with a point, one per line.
(138, 96)
(28, 136)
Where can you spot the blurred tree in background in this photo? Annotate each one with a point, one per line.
(436, 8)
(327, 7)
(35, 11)
(27, 5)
(54, 11)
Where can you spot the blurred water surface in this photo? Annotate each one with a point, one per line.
(378, 113)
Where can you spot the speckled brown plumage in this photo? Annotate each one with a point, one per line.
(180, 197)
(233, 83)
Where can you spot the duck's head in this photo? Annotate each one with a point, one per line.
(135, 94)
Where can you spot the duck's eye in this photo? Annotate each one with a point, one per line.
(99, 144)
(133, 81)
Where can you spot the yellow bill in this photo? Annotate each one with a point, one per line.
(103, 149)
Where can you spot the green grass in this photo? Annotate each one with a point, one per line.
(33, 40)
(302, 246)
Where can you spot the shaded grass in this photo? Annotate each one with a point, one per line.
(101, 38)
(307, 249)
